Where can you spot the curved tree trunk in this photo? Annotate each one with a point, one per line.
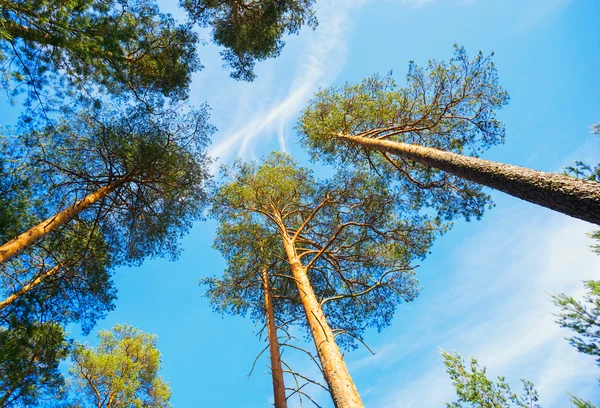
(26, 288)
(15, 246)
(342, 388)
(568, 195)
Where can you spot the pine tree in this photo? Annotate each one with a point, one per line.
(30, 353)
(474, 389)
(426, 137)
(142, 177)
(347, 236)
(256, 282)
(120, 47)
(121, 371)
(250, 31)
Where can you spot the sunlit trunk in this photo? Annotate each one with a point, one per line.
(342, 388)
(26, 288)
(15, 246)
(568, 195)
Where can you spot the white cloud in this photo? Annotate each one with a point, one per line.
(320, 57)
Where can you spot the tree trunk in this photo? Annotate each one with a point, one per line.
(342, 388)
(15, 246)
(276, 367)
(26, 288)
(568, 195)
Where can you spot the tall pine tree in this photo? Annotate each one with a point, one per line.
(347, 236)
(426, 136)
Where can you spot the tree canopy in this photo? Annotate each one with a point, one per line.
(350, 231)
(161, 164)
(121, 371)
(248, 247)
(474, 389)
(29, 358)
(156, 163)
(250, 31)
(583, 318)
(120, 47)
(348, 242)
(445, 105)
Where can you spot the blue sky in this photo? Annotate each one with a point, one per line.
(486, 284)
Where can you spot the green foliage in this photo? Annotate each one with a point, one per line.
(596, 247)
(445, 105)
(14, 204)
(81, 291)
(122, 371)
(248, 248)
(474, 389)
(584, 171)
(579, 403)
(119, 46)
(356, 239)
(250, 31)
(583, 318)
(161, 158)
(29, 358)
(593, 287)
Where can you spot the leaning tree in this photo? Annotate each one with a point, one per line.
(347, 236)
(427, 135)
(140, 176)
(104, 189)
(73, 267)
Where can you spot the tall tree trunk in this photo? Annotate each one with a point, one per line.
(568, 195)
(15, 246)
(276, 367)
(342, 388)
(26, 288)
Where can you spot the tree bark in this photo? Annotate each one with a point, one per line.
(342, 388)
(26, 288)
(568, 195)
(275, 354)
(15, 246)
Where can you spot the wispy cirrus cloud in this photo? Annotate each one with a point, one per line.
(319, 57)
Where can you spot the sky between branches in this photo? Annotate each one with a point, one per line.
(486, 284)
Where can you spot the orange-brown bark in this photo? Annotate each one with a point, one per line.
(342, 388)
(568, 195)
(274, 352)
(26, 288)
(17, 245)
